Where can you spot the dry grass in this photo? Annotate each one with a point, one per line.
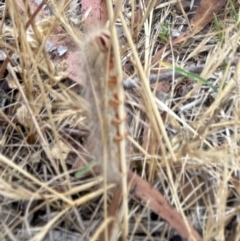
(191, 141)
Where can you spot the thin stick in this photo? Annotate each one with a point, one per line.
(170, 74)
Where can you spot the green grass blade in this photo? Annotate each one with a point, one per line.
(85, 169)
(194, 77)
(189, 75)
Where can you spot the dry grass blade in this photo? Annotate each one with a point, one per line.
(121, 114)
(182, 146)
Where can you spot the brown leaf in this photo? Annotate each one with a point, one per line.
(203, 16)
(160, 206)
(204, 13)
(157, 202)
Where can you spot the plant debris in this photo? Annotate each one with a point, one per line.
(180, 63)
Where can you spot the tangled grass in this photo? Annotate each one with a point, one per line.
(186, 144)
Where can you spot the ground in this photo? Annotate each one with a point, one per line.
(180, 68)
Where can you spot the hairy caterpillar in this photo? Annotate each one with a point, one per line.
(101, 93)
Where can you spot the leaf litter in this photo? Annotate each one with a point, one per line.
(204, 167)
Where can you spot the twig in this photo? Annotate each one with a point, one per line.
(165, 76)
(170, 74)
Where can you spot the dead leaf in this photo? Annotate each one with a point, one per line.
(160, 206)
(203, 15)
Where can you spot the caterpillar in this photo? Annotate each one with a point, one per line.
(101, 92)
